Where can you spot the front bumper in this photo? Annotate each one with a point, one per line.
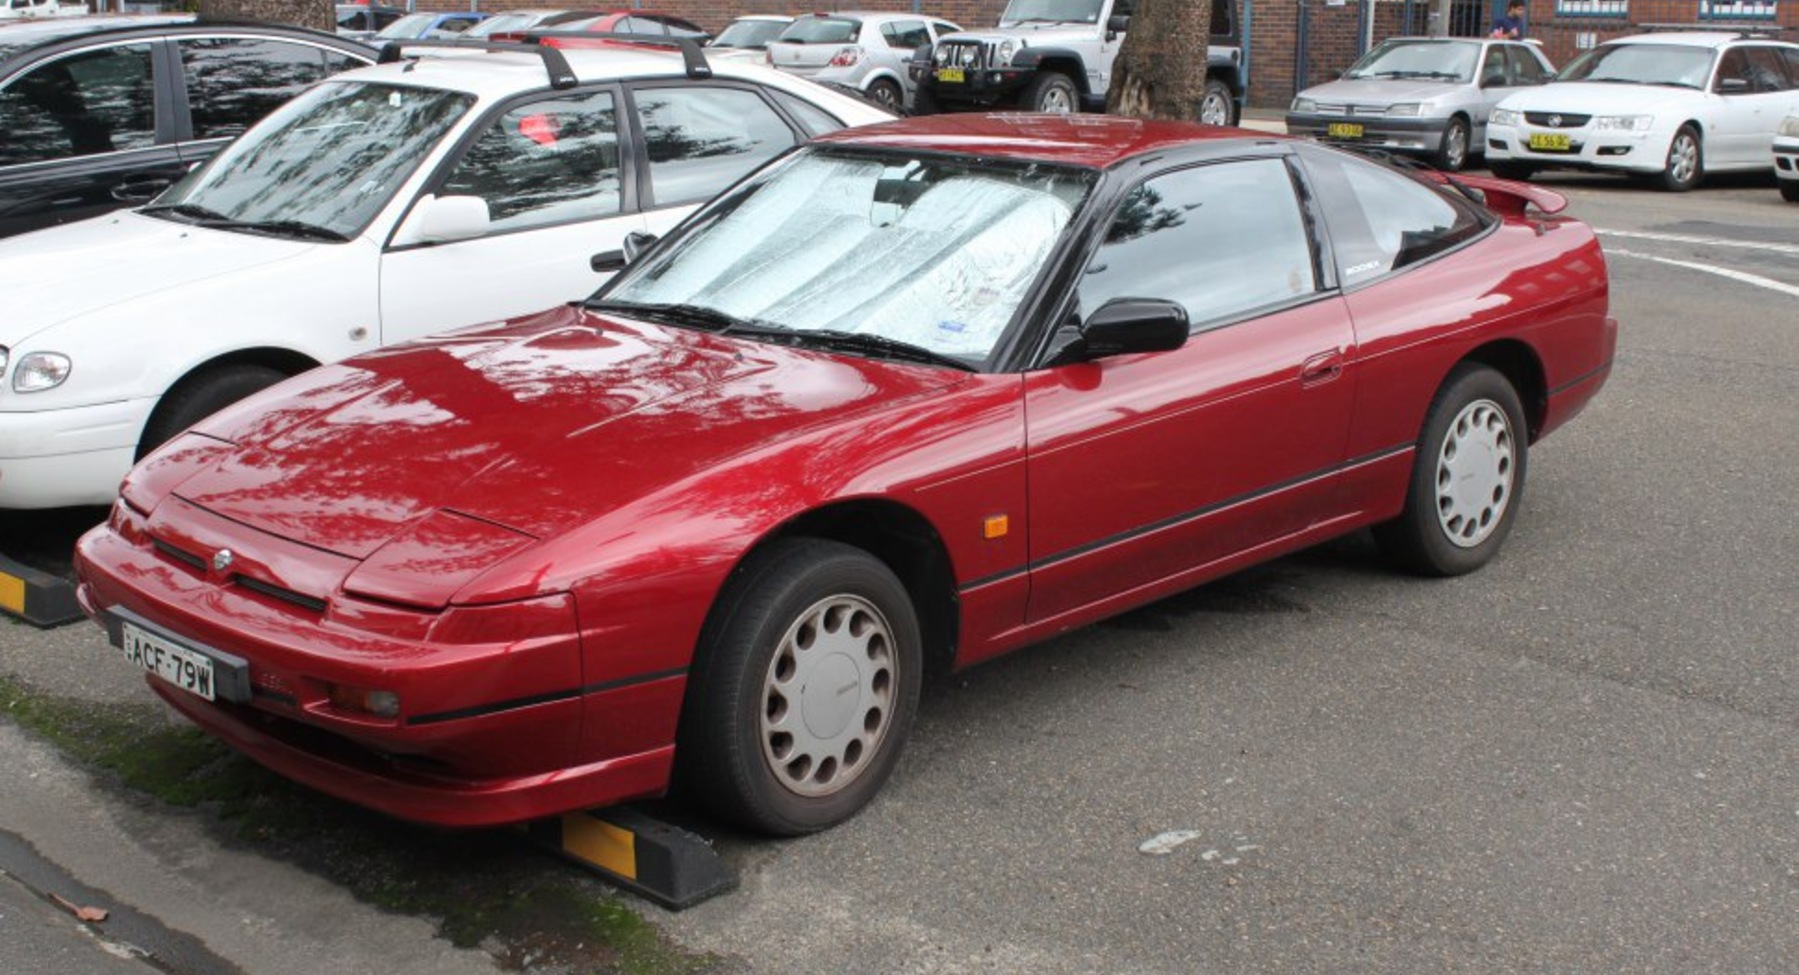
(1786, 158)
(488, 732)
(978, 88)
(58, 458)
(1639, 152)
(1393, 134)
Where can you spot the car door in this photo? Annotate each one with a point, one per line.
(556, 176)
(899, 38)
(697, 139)
(230, 81)
(1751, 103)
(85, 132)
(1522, 68)
(1143, 468)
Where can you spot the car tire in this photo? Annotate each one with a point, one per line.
(1685, 165)
(1511, 170)
(1051, 92)
(1789, 190)
(924, 101)
(199, 396)
(887, 94)
(1217, 106)
(1452, 152)
(770, 737)
(1467, 477)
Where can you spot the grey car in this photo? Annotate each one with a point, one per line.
(1426, 96)
(866, 50)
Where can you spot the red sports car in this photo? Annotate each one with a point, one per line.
(916, 394)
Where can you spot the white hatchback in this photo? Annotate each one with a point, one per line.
(380, 205)
(1673, 106)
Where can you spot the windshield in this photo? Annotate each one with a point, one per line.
(820, 30)
(1436, 60)
(1674, 65)
(936, 253)
(409, 26)
(1054, 11)
(502, 24)
(329, 159)
(750, 33)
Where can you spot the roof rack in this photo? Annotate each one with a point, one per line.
(691, 56)
(561, 75)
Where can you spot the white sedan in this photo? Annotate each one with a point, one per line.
(1672, 106)
(380, 205)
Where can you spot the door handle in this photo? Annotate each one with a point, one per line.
(1321, 368)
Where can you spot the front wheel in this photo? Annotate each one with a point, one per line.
(1685, 165)
(1789, 190)
(1216, 106)
(1467, 477)
(803, 690)
(201, 395)
(1053, 93)
(1511, 170)
(1452, 154)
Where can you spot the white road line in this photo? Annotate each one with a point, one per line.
(1754, 245)
(1724, 272)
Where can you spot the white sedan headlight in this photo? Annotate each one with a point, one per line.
(38, 371)
(1622, 123)
(1788, 126)
(1505, 116)
(1304, 105)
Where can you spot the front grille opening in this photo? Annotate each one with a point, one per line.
(281, 592)
(186, 558)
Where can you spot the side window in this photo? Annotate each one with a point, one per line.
(1526, 69)
(234, 81)
(941, 28)
(551, 160)
(1492, 70)
(641, 25)
(335, 62)
(815, 120)
(701, 140)
(1733, 65)
(906, 35)
(81, 105)
(1381, 221)
(1791, 56)
(1766, 72)
(1221, 240)
(383, 18)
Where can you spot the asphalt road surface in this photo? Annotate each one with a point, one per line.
(1579, 760)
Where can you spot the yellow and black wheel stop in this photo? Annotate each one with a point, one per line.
(664, 863)
(38, 598)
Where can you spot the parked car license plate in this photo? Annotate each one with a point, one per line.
(1343, 130)
(1550, 143)
(190, 671)
(952, 75)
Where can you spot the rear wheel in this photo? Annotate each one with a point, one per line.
(1467, 477)
(201, 395)
(1051, 92)
(803, 690)
(1452, 154)
(1216, 106)
(1789, 190)
(887, 93)
(1511, 170)
(1685, 165)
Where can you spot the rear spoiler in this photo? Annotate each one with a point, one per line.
(1504, 196)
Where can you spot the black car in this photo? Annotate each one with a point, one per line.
(98, 113)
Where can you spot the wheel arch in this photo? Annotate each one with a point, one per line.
(1523, 368)
(883, 74)
(285, 361)
(906, 542)
(1068, 66)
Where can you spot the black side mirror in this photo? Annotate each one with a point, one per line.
(1124, 326)
(1116, 25)
(636, 242)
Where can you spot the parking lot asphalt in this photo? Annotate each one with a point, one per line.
(1580, 759)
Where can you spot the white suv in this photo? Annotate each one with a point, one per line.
(1672, 106)
(379, 205)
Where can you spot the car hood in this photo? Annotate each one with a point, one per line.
(54, 275)
(549, 422)
(1600, 98)
(1034, 35)
(1380, 91)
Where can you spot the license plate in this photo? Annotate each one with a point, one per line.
(190, 671)
(1343, 130)
(951, 75)
(1550, 143)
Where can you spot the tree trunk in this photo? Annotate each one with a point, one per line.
(1160, 71)
(317, 14)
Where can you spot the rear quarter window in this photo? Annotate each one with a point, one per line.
(1381, 220)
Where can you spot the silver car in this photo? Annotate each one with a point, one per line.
(866, 50)
(1428, 96)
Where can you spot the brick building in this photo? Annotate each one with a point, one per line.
(1295, 43)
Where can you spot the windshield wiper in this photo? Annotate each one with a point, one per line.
(683, 315)
(277, 228)
(193, 212)
(879, 345)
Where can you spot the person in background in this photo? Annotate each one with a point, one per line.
(1510, 26)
